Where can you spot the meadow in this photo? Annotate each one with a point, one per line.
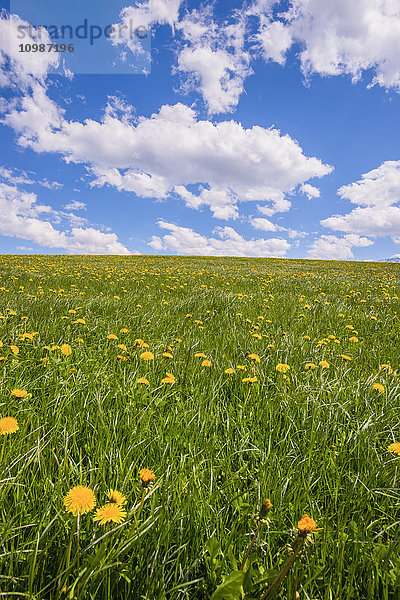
(181, 393)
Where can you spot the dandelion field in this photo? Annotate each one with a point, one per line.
(195, 388)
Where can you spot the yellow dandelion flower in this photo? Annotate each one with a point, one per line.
(250, 380)
(306, 525)
(80, 340)
(147, 355)
(80, 321)
(146, 476)
(124, 330)
(8, 425)
(379, 387)
(122, 347)
(282, 368)
(112, 336)
(346, 357)
(310, 366)
(80, 499)
(168, 379)
(324, 364)
(139, 342)
(254, 357)
(66, 350)
(116, 497)
(229, 371)
(143, 380)
(14, 349)
(110, 513)
(241, 367)
(353, 339)
(200, 355)
(206, 363)
(19, 393)
(167, 355)
(395, 447)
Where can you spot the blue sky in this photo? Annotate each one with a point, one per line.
(255, 129)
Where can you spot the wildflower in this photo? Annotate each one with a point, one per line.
(112, 336)
(200, 355)
(146, 476)
(167, 355)
(229, 371)
(379, 387)
(139, 342)
(122, 347)
(324, 364)
(282, 368)
(265, 507)
(168, 379)
(66, 350)
(14, 349)
(346, 357)
(306, 337)
(250, 380)
(310, 366)
(306, 525)
(147, 355)
(80, 321)
(8, 425)
(353, 339)
(116, 497)
(124, 330)
(254, 357)
(110, 513)
(206, 363)
(80, 340)
(80, 499)
(143, 380)
(19, 393)
(395, 447)
(241, 368)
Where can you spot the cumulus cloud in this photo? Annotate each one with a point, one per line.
(213, 58)
(310, 191)
(336, 37)
(331, 247)
(21, 216)
(227, 242)
(170, 150)
(377, 195)
(21, 68)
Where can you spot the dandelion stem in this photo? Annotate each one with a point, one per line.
(246, 556)
(139, 510)
(278, 579)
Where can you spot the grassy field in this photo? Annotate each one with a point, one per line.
(221, 431)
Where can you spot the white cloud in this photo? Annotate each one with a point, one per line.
(263, 224)
(183, 240)
(20, 217)
(337, 37)
(375, 194)
(21, 68)
(331, 247)
(213, 58)
(172, 148)
(310, 191)
(75, 205)
(142, 15)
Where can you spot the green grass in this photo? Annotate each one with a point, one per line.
(313, 443)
